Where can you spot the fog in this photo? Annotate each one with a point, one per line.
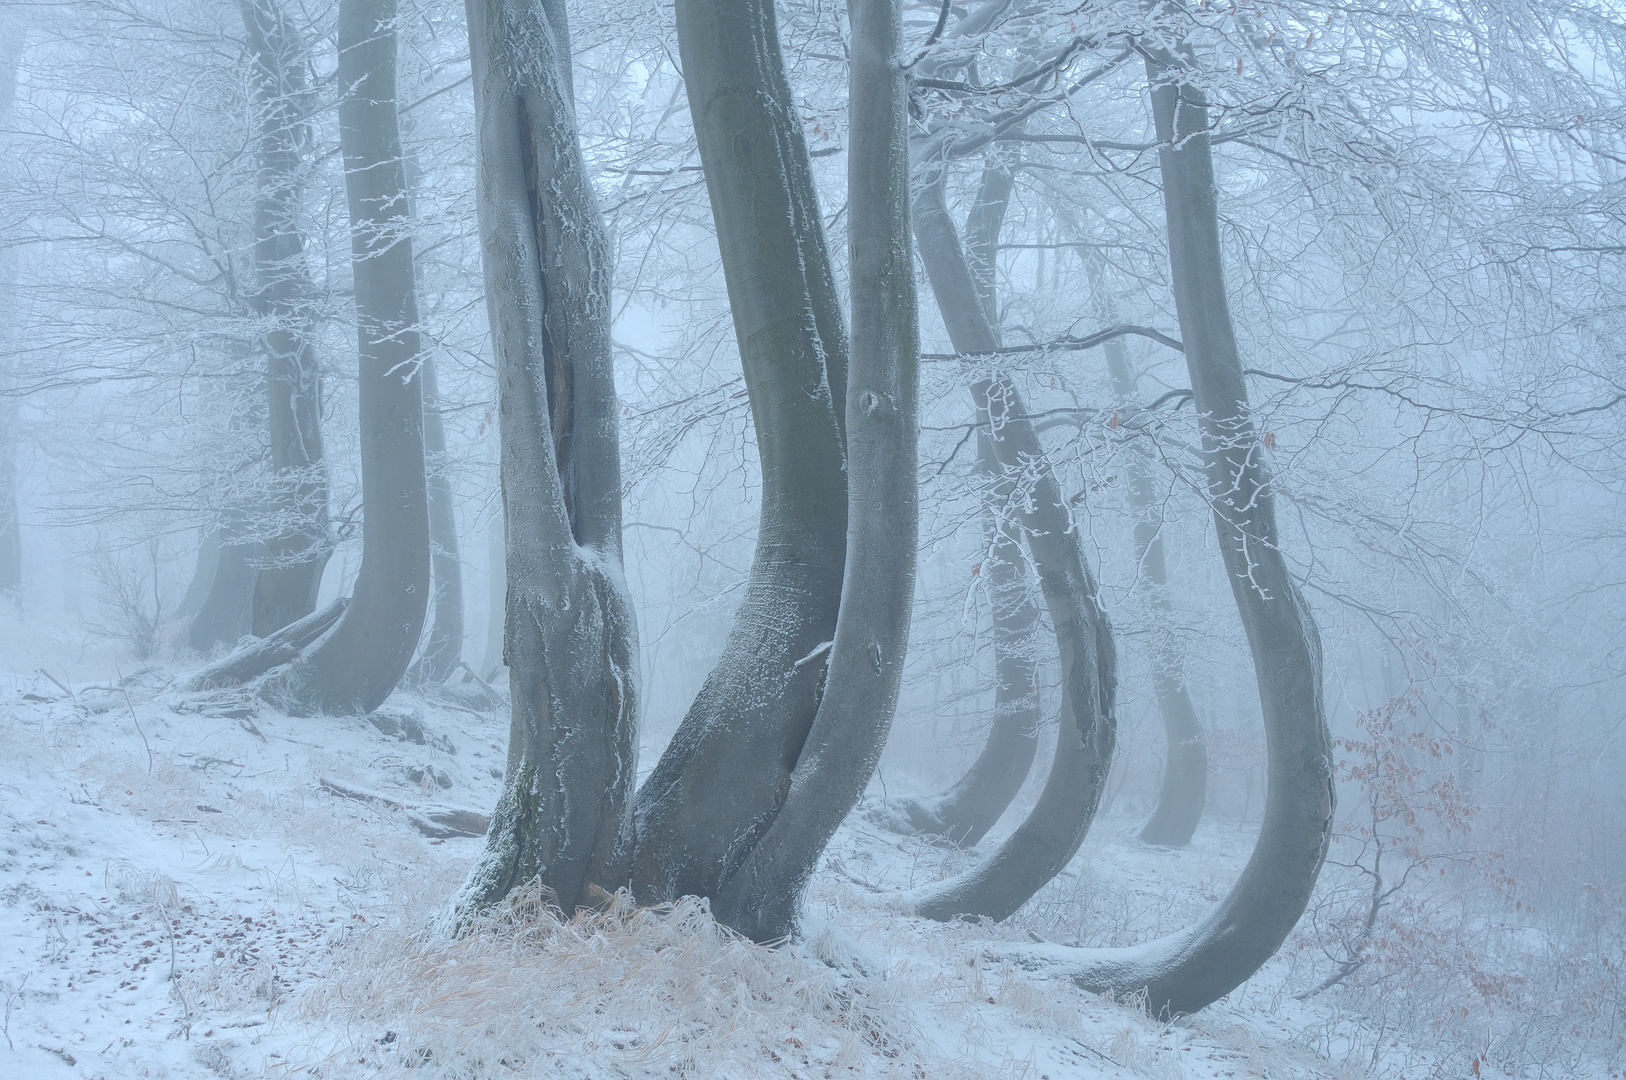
(1419, 221)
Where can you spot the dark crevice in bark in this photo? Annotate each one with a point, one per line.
(570, 639)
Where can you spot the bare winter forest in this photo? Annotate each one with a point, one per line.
(936, 539)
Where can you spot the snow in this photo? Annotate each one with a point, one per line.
(182, 896)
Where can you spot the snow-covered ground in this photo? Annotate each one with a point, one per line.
(189, 888)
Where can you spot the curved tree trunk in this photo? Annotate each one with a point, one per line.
(966, 811)
(293, 557)
(763, 897)
(1044, 843)
(1185, 771)
(354, 668)
(443, 650)
(1188, 970)
(726, 772)
(571, 639)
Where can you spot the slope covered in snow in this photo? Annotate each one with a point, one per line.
(195, 885)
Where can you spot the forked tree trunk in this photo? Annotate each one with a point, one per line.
(443, 650)
(1185, 971)
(763, 898)
(966, 811)
(1044, 843)
(283, 300)
(1184, 789)
(726, 772)
(354, 668)
(571, 638)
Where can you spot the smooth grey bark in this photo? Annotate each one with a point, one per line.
(965, 812)
(763, 897)
(226, 614)
(1188, 970)
(571, 640)
(443, 650)
(354, 668)
(282, 299)
(1043, 844)
(723, 778)
(496, 599)
(1184, 789)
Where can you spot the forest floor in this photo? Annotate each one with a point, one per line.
(187, 891)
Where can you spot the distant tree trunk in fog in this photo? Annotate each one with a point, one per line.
(1185, 971)
(1184, 789)
(726, 772)
(966, 811)
(226, 613)
(571, 636)
(11, 535)
(11, 539)
(283, 300)
(496, 599)
(203, 572)
(443, 650)
(354, 668)
(763, 898)
(1047, 840)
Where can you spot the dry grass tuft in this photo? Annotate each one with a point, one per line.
(623, 991)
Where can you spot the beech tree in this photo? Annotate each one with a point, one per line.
(783, 736)
(349, 657)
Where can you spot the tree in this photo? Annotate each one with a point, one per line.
(349, 657)
(772, 755)
(282, 299)
(1190, 969)
(443, 648)
(11, 546)
(967, 810)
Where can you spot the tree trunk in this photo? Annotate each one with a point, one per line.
(1044, 843)
(1185, 971)
(1184, 790)
(203, 572)
(11, 540)
(356, 666)
(443, 651)
(763, 897)
(726, 773)
(966, 811)
(283, 301)
(496, 599)
(571, 639)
